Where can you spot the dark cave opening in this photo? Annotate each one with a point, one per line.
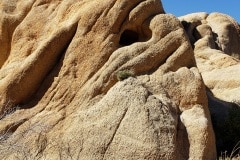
(128, 37)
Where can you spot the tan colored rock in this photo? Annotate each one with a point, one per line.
(217, 53)
(60, 96)
(216, 42)
(223, 29)
(228, 35)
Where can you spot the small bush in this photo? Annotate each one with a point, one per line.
(124, 74)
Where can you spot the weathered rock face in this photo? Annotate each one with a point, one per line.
(60, 94)
(216, 41)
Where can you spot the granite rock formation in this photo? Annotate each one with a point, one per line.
(215, 38)
(62, 94)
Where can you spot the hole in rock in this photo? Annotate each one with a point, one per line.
(186, 25)
(128, 37)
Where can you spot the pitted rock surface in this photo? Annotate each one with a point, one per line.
(60, 93)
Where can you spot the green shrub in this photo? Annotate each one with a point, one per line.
(124, 74)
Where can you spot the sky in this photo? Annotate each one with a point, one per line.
(183, 7)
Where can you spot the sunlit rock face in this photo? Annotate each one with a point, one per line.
(95, 79)
(216, 41)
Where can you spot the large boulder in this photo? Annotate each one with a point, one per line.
(216, 41)
(99, 80)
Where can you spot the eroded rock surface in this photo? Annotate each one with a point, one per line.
(216, 41)
(60, 94)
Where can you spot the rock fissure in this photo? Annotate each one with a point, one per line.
(115, 132)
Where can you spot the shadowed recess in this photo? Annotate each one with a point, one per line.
(128, 37)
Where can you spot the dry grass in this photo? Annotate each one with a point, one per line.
(235, 154)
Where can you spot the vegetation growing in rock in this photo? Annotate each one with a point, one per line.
(124, 74)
